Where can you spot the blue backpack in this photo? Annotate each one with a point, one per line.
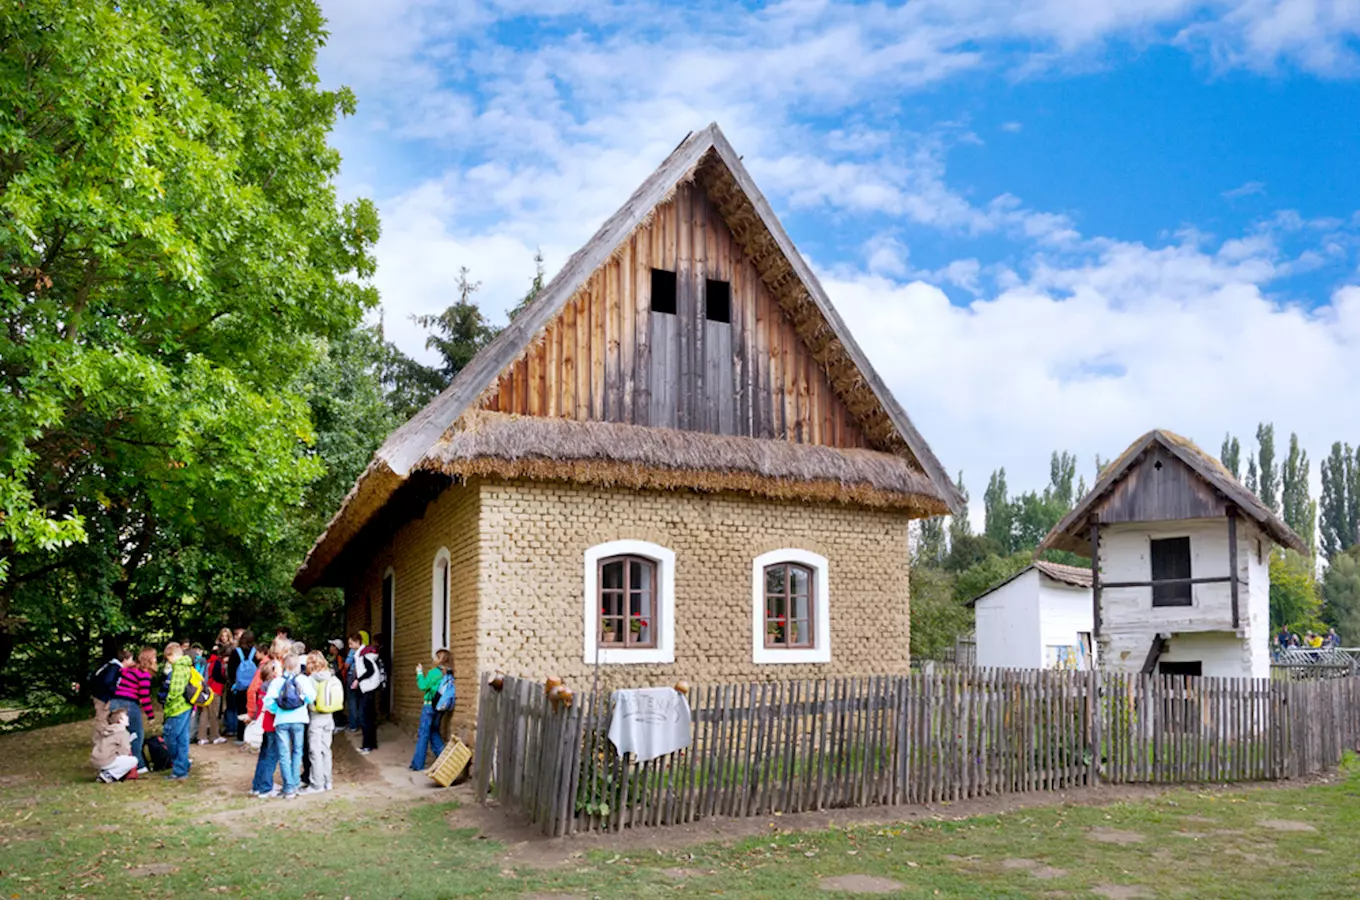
(443, 701)
(290, 695)
(245, 672)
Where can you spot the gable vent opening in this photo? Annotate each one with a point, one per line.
(663, 291)
(717, 301)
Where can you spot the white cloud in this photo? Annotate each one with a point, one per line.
(1087, 358)
(1245, 190)
(479, 152)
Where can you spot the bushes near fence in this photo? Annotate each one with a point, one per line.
(770, 747)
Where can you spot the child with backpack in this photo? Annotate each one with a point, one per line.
(133, 696)
(262, 786)
(103, 683)
(186, 690)
(215, 673)
(242, 664)
(368, 678)
(436, 686)
(287, 699)
(112, 753)
(330, 699)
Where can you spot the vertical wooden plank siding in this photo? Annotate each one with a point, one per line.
(755, 376)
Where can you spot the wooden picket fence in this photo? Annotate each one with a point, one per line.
(783, 747)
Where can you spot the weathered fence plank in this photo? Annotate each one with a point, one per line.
(770, 747)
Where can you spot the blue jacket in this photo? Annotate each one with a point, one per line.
(290, 716)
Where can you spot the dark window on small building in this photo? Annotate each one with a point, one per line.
(628, 602)
(717, 301)
(663, 291)
(1171, 572)
(1185, 669)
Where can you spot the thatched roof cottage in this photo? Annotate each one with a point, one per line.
(676, 463)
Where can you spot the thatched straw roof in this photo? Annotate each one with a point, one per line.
(1072, 532)
(607, 453)
(708, 159)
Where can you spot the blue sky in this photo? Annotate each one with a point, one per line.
(1053, 224)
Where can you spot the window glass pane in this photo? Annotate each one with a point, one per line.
(640, 628)
(799, 633)
(612, 574)
(799, 582)
(802, 607)
(774, 579)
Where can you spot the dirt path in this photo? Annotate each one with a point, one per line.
(381, 776)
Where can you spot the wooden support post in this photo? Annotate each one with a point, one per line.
(1232, 565)
(1095, 586)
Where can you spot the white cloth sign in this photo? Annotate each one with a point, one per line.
(649, 722)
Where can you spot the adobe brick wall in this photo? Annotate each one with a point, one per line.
(449, 522)
(534, 537)
(521, 547)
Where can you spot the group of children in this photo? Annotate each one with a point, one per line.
(281, 699)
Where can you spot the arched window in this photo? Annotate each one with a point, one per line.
(789, 603)
(790, 613)
(627, 588)
(629, 603)
(439, 602)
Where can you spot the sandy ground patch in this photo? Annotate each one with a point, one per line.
(861, 884)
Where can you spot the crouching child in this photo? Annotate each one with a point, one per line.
(112, 754)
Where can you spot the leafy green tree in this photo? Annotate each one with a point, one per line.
(987, 573)
(966, 551)
(937, 617)
(930, 543)
(1339, 521)
(1253, 482)
(1341, 595)
(959, 526)
(1231, 455)
(1062, 474)
(459, 331)
(998, 512)
(1294, 599)
(172, 257)
(1299, 508)
(1269, 484)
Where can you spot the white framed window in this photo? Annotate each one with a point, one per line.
(629, 608)
(790, 609)
(439, 601)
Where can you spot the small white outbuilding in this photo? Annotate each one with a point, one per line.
(1182, 549)
(1039, 618)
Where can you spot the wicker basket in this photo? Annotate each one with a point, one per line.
(450, 763)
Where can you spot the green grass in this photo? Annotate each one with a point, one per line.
(63, 835)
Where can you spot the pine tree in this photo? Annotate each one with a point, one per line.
(1253, 483)
(459, 331)
(1269, 473)
(534, 287)
(1231, 455)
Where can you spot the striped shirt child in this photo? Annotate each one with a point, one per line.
(135, 685)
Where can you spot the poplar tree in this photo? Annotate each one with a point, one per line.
(1269, 492)
(1231, 455)
(1299, 509)
(1339, 521)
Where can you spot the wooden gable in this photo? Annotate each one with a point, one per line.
(609, 357)
(1160, 488)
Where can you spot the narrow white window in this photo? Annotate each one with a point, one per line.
(629, 611)
(439, 602)
(790, 611)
